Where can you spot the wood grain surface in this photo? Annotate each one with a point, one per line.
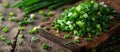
(27, 45)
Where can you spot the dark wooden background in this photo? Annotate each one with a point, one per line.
(28, 45)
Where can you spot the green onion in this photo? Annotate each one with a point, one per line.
(2, 38)
(2, 18)
(13, 19)
(76, 39)
(8, 42)
(66, 36)
(20, 43)
(34, 30)
(6, 5)
(5, 29)
(41, 12)
(32, 16)
(45, 46)
(62, 50)
(20, 36)
(25, 22)
(11, 13)
(21, 28)
(68, 43)
(34, 38)
(50, 13)
(88, 39)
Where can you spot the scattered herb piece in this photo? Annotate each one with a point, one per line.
(10, 19)
(76, 39)
(25, 22)
(34, 38)
(45, 18)
(46, 28)
(6, 5)
(30, 31)
(5, 29)
(50, 13)
(88, 39)
(20, 43)
(41, 12)
(68, 43)
(13, 19)
(2, 38)
(21, 28)
(32, 16)
(11, 13)
(2, 18)
(34, 30)
(57, 31)
(45, 46)
(8, 42)
(66, 36)
(21, 36)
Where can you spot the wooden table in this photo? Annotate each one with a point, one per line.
(27, 44)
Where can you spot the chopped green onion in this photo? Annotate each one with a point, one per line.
(11, 13)
(50, 13)
(2, 37)
(6, 5)
(76, 39)
(88, 18)
(45, 46)
(34, 38)
(30, 31)
(2, 18)
(13, 19)
(32, 16)
(41, 12)
(20, 43)
(66, 36)
(21, 28)
(21, 36)
(34, 30)
(5, 29)
(8, 42)
(88, 39)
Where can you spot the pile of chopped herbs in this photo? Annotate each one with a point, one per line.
(89, 18)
